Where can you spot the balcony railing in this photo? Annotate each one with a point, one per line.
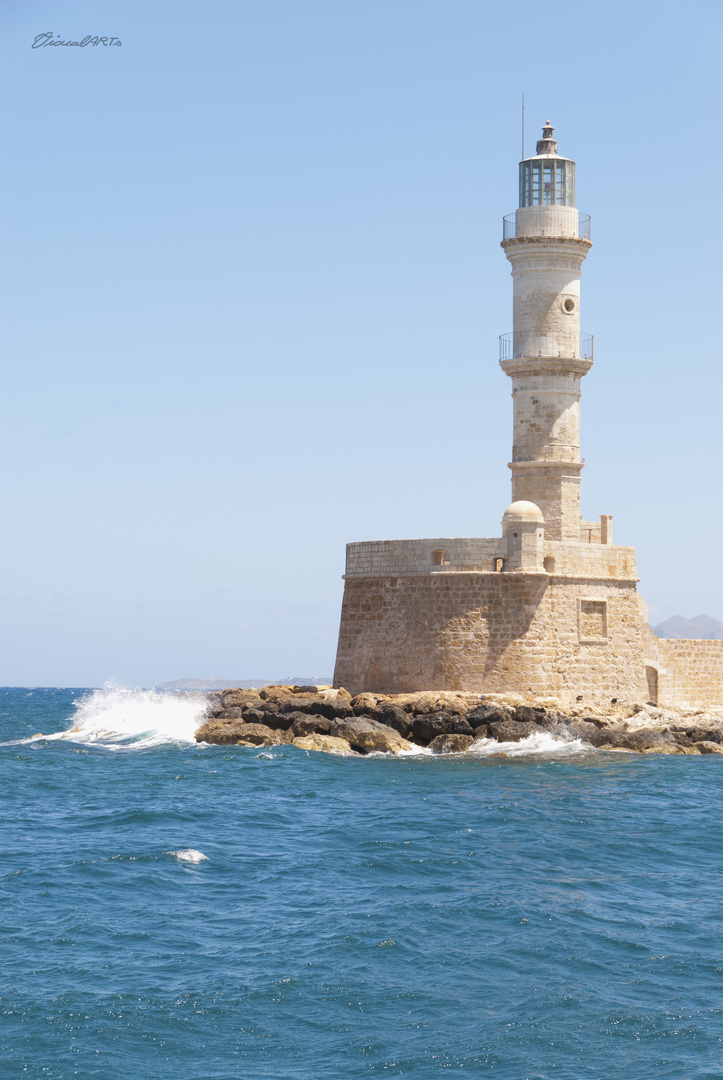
(558, 227)
(529, 344)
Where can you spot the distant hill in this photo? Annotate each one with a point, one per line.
(231, 684)
(702, 626)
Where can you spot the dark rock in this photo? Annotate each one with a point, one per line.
(584, 730)
(451, 744)
(699, 734)
(486, 714)
(254, 716)
(513, 730)
(428, 727)
(596, 720)
(645, 739)
(316, 706)
(233, 713)
(395, 717)
(531, 714)
(310, 725)
(277, 721)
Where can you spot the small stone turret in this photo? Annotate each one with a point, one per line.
(523, 526)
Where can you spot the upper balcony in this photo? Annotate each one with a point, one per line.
(558, 222)
(529, 344)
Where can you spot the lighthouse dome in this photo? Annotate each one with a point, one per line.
(523, 512)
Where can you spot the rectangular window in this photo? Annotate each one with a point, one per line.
(548, 184)
(593, 620)
(536, 181)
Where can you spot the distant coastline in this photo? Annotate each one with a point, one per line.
(256, 684)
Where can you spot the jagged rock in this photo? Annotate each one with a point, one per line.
(318, 706)
(707, 747)
(584, 730)
(488, 712)
(533, 714)
(513, 730)
(451, 744)
(260, 735)
(221, 733)
(366, 734)
(425, 701)
(701, 734)
(277, 721)
(310, 725)
(367, 704)
(395, 717)
(428, 727)
(330, 744)
(234, 713)
(644, 739)
(279, 694)
(239, 698)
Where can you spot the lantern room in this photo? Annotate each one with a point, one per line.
(547, 179)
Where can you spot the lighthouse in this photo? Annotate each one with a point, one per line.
(546, 241)
(550, 607)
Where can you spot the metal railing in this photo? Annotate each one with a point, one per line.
(529, 344)
(557, 229)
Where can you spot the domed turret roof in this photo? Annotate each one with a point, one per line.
(522, 511)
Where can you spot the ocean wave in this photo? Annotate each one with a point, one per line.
(118, 718)
(539, 743)
(189, 855)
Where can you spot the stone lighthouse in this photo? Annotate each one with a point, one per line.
(550, 607)
(546, 241)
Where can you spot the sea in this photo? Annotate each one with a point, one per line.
(176, 911)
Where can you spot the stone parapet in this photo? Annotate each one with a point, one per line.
(439, 555)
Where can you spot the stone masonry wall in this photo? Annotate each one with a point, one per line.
(690, 671)
(587, 560)
(490, 632)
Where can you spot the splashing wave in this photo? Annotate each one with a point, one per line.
(121, 719)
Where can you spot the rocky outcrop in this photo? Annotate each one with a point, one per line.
(451, 744)
(371, 736)
(446, 722)
(327, 743)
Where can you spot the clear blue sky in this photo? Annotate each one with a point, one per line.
(252, 290)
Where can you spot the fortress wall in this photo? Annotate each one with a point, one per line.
(592, 560)
(473, 553)
(416, 556)
(490, 632)
(690, 671)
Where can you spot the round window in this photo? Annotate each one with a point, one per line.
(568, 305)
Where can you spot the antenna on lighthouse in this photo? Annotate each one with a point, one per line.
(523, 127)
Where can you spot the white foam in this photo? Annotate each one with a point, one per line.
(539, 743)
(122, 719)
(189, 855)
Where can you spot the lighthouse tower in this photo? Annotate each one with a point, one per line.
(546, 241)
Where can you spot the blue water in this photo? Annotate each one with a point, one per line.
(182, 912)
